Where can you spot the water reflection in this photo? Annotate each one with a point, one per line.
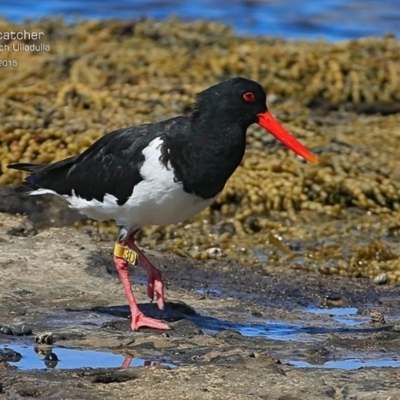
(65, 358)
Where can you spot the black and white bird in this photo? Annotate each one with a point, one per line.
(161, 173)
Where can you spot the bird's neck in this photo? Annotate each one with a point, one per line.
(211, 152)
(217, 120)
(219, 135)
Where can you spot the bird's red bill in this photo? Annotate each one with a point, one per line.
(268, 122)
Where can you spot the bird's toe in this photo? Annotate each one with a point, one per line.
(141, 320)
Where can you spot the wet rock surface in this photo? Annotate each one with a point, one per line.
(241, 339)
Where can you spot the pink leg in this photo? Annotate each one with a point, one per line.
(127, 362)
(138, 318)
(147, 363)
(154, 278)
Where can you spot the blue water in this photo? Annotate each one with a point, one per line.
(312, 19)
(74, 358)
(345, 315)
(348, 364)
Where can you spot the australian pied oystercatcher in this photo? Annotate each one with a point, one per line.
(159, 174)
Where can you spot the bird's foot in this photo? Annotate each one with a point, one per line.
(155, 285)
(140, 320)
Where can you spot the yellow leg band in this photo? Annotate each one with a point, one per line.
(126, 253)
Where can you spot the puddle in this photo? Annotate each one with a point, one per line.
(332, 311)
(295, 331)
(348, 364)
(270, 329)
(73, 358)
(209, 291)
(276, 331)
(344, 315)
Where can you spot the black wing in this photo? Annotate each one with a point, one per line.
(111, 165)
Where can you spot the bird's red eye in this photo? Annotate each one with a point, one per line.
(249, 96)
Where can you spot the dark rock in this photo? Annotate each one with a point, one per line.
(51, 357)
(6, 330)
(23, 330)
(7, 354)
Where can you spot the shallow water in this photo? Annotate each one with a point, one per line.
(276, 331)
(344, 315)
(348, 364)
(209, 291)
(332, 20)
(74, 358)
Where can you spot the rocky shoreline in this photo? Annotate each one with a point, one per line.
(69, 289)
(284, 236)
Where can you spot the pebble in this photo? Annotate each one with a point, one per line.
(381, 279)
(51, 357)
(51, 360)
(377, 317)
(215, 252)
(21, 330)
(6, 330)
(7, 354)
(45, 338)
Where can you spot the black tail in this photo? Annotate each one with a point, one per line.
(43, 176)
(26, 187)
(27, 167)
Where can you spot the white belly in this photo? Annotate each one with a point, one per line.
(144, 207)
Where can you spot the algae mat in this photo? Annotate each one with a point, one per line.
(80, 81)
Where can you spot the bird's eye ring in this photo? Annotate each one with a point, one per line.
(249, 97)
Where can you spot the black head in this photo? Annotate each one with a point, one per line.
(236, 101)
